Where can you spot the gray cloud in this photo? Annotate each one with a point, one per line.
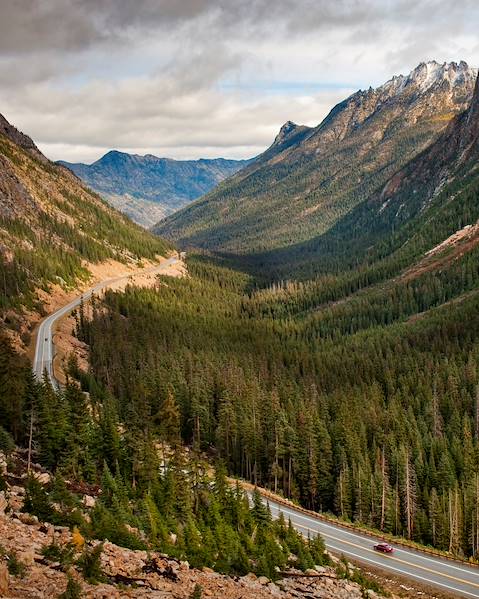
(199, 77)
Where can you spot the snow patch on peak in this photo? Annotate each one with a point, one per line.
(428, 74)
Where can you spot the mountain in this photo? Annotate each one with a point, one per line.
(147, 188)
(311, 177)
(349, 382)
(52, 228)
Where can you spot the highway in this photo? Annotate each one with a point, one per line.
(44, 349)
(452, 578)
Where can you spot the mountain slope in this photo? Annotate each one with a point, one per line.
(295, 192)
(52, 228)
(147, 188)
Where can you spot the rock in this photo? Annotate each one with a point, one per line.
(3, 502)
(3, 579)
(16, 490)
(61, 529)
(274, 589)
(42, 477)
(263, 580)
(3, 463)
(320, 569)
(89, 501)
(26, 518)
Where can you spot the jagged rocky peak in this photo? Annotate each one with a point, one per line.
(19, 138)
(428, 75)
(285, 131)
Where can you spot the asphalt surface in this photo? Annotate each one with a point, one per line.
(44, 348)
(452, 578)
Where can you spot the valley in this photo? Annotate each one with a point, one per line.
(234, 378)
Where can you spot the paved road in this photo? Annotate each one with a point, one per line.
(44, 349)
(452, 578)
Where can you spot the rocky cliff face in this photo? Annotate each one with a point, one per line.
(19, 138)
(455, 151)
(310, 178)
(147, 188)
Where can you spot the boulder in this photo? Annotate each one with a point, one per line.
(42, 477)
(89, 501)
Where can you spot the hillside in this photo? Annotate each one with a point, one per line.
(421, 205)
(147, 188)
(53, 229)
(310, 178)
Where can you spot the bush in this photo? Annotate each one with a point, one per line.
(56, 553)
(6, 442)
(197, 592)
(89, 564)
(73, 590)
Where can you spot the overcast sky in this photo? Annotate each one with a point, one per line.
(204, 78)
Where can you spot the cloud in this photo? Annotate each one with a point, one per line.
(197, 78)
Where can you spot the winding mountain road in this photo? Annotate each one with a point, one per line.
(452, 578)
(44, 348)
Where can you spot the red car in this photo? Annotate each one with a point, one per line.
(383, 548)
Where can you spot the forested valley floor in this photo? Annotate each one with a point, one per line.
(365, 407)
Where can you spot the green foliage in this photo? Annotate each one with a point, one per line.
(63, 554)
(197, 592)
(14, 565)
(356, 406)
(89, 564)
(73, 590)
(7, 444)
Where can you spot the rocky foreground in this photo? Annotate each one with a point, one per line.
(135, 574)
(141, 574)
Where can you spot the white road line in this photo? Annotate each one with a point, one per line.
(405, 572)
(413, 552)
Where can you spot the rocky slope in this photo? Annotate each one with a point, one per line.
(310, 178)
(147, 188)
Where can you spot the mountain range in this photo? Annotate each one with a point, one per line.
(147, 188)
(311, 178)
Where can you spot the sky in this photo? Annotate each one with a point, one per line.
(201, 78)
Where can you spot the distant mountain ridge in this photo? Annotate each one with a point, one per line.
(147, 188)
(311, 177)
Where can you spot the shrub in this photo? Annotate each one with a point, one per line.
(197, 592)
(57, 553)
(73, 590)
(6, 442)
(89, 564)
